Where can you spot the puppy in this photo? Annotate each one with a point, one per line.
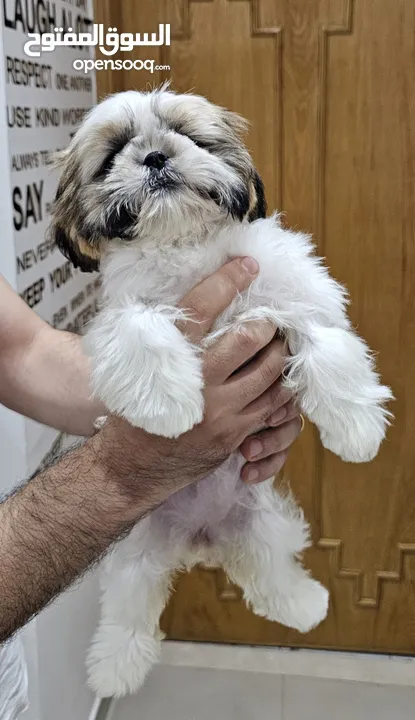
(158, 191)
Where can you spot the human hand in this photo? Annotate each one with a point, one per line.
(267, 450)
(238, 402)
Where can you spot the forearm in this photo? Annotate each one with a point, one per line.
(58, 524)
(49, 381)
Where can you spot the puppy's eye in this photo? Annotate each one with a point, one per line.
(199, 143)
(108, 163)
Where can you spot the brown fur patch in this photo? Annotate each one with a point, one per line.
(85, 248)
(253, 198)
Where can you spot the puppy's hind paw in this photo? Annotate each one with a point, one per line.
(119, 660)
(302, 607)
(307, 607)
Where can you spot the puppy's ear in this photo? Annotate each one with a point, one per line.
(257, 201)
(238, 124)
(63, 230)
(76, 249)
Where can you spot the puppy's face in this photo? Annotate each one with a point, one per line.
(152, 164)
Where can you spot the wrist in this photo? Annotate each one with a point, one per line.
(120, 458)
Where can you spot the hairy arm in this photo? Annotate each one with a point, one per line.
(44, 373)
(56, 525)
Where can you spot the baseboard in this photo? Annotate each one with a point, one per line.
(359, 667)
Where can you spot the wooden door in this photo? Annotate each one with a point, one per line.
(329, 87)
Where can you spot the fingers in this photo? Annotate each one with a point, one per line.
(234, 349)
(268, 450)
(269, 403)
(249, 385)
(283, 414)
(257, 472)
(205, 302)
(271, 441)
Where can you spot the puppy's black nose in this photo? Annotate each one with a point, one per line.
(155, 160)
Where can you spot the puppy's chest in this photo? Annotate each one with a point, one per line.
(170, 289)
(168, 285)
(156, 276)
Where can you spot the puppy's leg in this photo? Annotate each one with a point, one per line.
(332, 371)
(333, 374)
(144, 369)
(135, 587)
(262, 560)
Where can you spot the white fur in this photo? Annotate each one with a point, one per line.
(145, 370)
(150, 340)
(331, 369)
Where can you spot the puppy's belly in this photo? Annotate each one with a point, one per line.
(209, 509)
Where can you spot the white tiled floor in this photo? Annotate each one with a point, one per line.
(182, 693)
(313, 699)
(199, 694)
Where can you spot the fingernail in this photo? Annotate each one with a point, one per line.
(255, 448)
(250, 265)
(276, 417)
(252, 475)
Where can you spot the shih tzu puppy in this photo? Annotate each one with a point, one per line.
(158, 191)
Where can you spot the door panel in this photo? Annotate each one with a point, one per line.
(328, 86)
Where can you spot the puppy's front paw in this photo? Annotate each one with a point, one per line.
(171, 402)
(145, 370)
(169, 418)
(359, 439)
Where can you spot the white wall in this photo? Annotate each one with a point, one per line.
(12, 451)
(42, 111)
(64, 631)
(54, 642)
(12, 426)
